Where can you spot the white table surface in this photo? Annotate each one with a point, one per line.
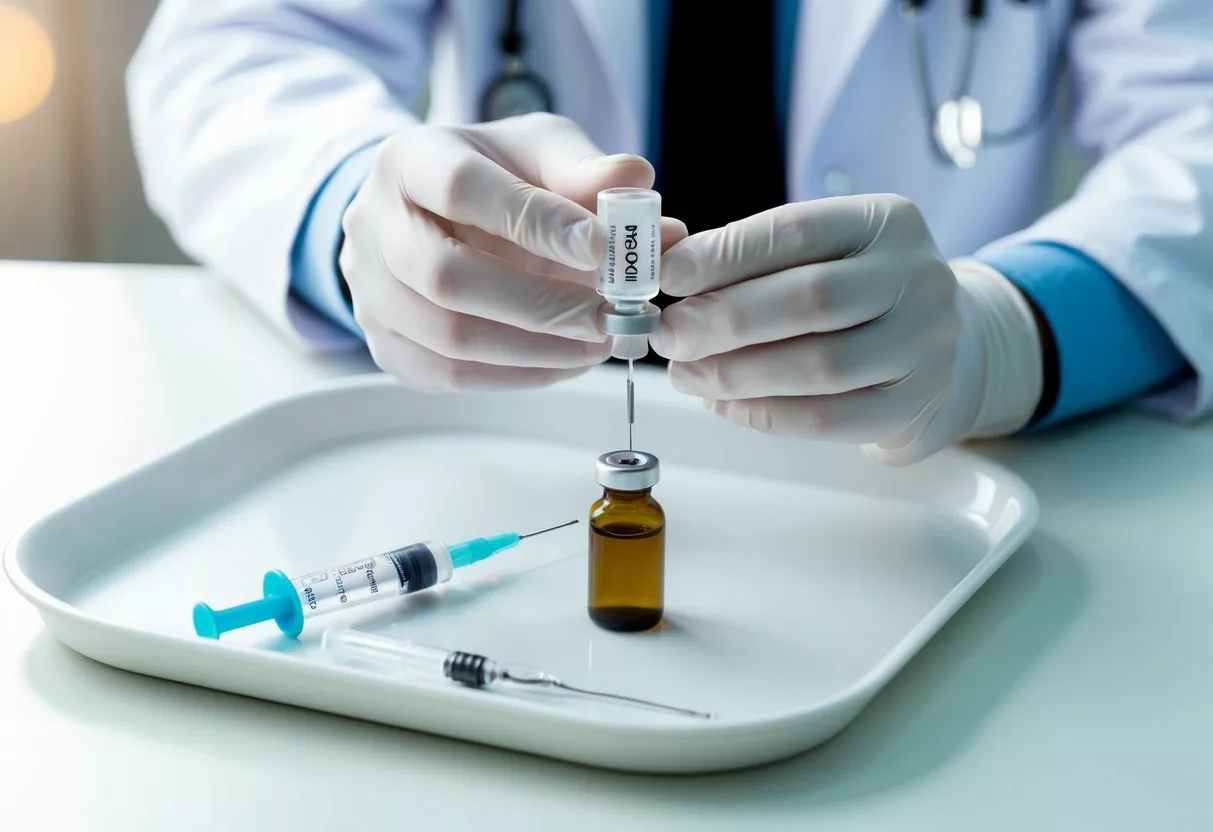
(1075, 691)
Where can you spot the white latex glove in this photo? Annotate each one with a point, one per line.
(471, 253)
(838, 320)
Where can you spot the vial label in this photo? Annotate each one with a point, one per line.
(631, 255)
(382, 576)
(632, 223)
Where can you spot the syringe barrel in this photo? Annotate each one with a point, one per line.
(631, 272)
(399, 572)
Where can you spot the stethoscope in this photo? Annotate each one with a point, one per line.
(515, 91)
(958, 131)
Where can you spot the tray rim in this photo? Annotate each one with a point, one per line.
(57, 612)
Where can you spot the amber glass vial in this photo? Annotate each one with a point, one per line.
(627, 545)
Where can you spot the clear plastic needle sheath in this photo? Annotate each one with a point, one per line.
(472, 669)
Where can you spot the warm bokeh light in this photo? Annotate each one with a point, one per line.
(27, 64)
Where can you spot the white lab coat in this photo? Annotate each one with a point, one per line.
(240, 109)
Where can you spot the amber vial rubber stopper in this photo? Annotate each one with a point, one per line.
(627, 545)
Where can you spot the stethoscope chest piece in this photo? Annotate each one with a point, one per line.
(958, 130)
(515, 92)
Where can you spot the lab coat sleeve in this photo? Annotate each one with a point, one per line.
(242, 109)
(1109, 348)
(1143, 75)
(315, 270)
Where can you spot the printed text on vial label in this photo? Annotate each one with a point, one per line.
(629, 243)
(630, 257)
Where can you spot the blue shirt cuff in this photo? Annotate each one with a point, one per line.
(1110, 349)
(315, 272)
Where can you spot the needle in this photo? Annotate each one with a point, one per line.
(548, 529)
(475, 670)
(635, 700)
(548, 680)
(631, 403)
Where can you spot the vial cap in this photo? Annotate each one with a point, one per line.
(645, 319)
(628, 470)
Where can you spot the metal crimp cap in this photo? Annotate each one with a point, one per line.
(645, 320)
(628, 470)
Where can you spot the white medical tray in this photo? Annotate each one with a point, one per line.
(800, 576)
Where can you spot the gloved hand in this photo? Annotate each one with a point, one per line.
(471, 253)
(838, 319)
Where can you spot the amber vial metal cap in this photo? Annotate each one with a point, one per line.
(628, 470)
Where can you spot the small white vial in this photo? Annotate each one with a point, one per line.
(631, 272)
(631, 218)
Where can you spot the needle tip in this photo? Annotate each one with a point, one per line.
(548, 529)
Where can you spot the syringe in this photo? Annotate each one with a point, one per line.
(401, 571)
(472, 669)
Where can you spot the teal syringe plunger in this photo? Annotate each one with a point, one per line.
(288, 602)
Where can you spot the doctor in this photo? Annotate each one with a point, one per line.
(860, 246)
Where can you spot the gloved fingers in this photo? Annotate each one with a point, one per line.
(456, 277)
(468, 338)
(444, 174)
(673, 231)
(811, 365)
(932, 429)
(515, 255)
(908, 446)
(426, 370)
(553, 152)
(819, 297)
(870, 415)
(771, 241)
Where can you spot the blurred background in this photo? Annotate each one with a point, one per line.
(69, 187)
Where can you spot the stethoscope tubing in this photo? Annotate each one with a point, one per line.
(970, 133)
(973, 134)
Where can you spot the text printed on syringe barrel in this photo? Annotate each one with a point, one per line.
(394, 573)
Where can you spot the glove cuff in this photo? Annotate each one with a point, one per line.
(1013, 375)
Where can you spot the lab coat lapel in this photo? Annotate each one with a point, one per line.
(619, 32)
(831, 37)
